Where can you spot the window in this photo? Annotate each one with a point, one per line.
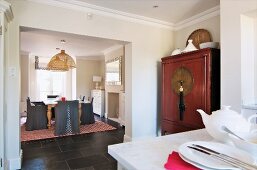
(50, 83)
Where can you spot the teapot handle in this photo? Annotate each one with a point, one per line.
(254, 130)
(251, 117)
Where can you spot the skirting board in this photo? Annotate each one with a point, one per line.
(15, 163)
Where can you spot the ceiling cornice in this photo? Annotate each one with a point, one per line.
(91, 58)
(85, 7)
(212, 12)
(111, 49)
(7, 9)
(89, 8)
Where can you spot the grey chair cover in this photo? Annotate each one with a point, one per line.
(66, 117)
(87, 115)
(38, 103)
(36, 117)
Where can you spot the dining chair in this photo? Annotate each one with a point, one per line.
(66, 117)
(83, 98)
(36, 102)
(87, 115)
(36, 116)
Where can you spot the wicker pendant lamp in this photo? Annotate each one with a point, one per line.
(61, 62)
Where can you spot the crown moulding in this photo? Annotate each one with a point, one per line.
(7, 9)
(86, 7)
(212, 12)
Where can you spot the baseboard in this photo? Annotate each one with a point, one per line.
(127, 139)
(15, 163)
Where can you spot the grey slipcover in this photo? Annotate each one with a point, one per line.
(66, 117)
(87, 115)
(36, 116)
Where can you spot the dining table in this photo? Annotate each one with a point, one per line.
(152, 153)
(52, 103)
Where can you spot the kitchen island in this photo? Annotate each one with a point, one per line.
(152, 154)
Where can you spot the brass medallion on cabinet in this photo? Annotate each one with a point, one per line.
(189, 81)
(182, 84)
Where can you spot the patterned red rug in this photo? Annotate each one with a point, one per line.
(49, 133)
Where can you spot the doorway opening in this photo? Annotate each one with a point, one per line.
(90, 55)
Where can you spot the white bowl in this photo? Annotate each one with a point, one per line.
(209, 45)
(250, 143)
(176, 51)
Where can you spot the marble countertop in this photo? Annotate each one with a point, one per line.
(152, 154)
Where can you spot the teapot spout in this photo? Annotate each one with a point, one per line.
(205, 116)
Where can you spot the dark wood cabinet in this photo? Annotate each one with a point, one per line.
(204, 67)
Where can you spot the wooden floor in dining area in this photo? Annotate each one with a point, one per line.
(82, 152)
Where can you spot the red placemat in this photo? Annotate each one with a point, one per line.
(176, 163)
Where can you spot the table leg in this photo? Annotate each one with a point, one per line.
(49, 115)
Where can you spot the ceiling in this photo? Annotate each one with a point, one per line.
(172, 11)
(44, 43)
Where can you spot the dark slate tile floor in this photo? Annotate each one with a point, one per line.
(81, 152)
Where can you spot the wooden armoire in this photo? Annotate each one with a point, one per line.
(190, 81)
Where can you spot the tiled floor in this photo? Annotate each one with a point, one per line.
(87, 152)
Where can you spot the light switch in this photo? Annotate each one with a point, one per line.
(12, 71)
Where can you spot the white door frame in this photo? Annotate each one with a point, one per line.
(2, 61)
(6, 16)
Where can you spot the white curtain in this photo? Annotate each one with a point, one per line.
(50, 83)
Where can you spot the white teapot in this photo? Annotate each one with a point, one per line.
(224, 117)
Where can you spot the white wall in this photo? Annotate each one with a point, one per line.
(86, 69)
(248, 48)
(255, 60)
(24, 70)
(230, 12)
(3, 75)
(12, 89)
(211, 24)
(114, 88)
(128, 96)
(32, 77)
(149, 44)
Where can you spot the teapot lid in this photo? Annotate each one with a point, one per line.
(226, 109)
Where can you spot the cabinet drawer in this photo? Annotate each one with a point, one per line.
(175, 127)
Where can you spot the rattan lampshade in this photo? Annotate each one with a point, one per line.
(61, 62)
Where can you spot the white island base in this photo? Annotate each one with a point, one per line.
(152, 154)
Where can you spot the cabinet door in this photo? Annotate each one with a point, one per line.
(194, 100)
